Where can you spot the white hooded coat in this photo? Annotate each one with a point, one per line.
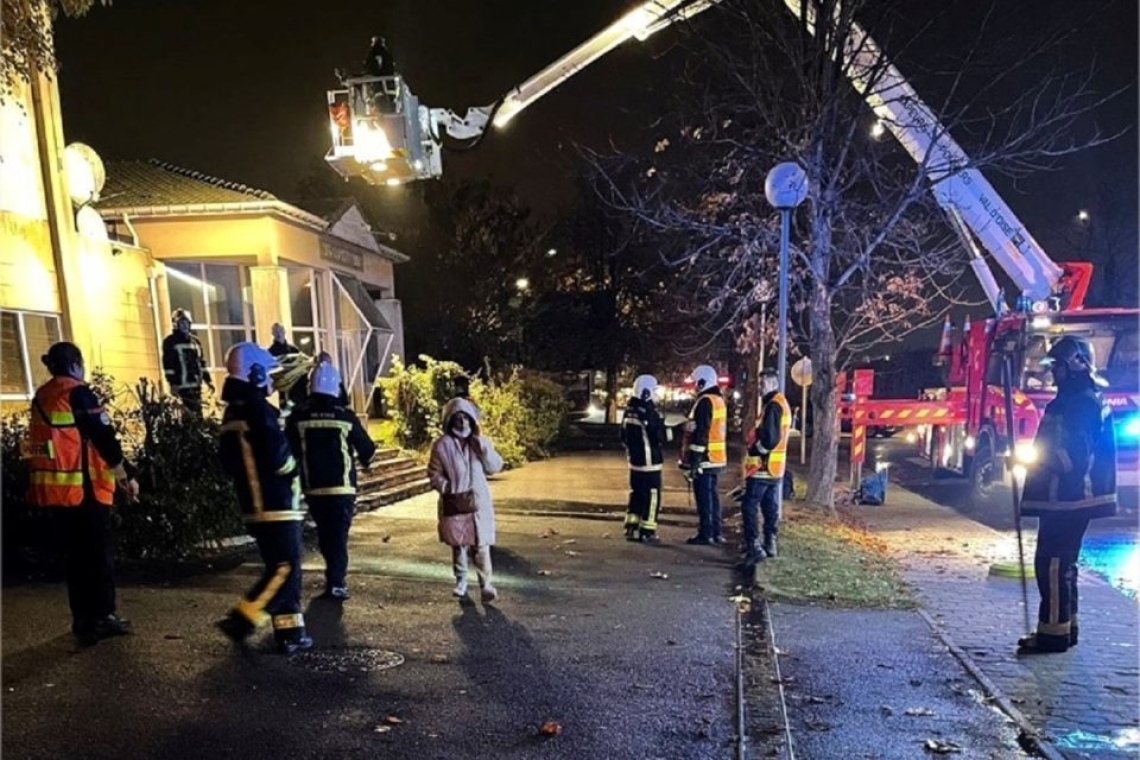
(454, 467)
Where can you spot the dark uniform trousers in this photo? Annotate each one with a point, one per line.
(191, 398)
(333, 515)
(1059, 538)
(708, 503)
(644, 500)
(759, 501)
(86, 538)
(278, 590)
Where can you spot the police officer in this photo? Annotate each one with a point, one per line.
(280, 346)
(76, 463)
(704, 454)
(1072, 481)
(256, 455)
(643, 432)
(184, 364)
(764, 466)
(323, 434)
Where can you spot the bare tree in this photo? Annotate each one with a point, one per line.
(874, 259)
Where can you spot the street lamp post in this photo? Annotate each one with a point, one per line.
(785, 187)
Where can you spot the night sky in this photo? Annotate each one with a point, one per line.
(237, 89)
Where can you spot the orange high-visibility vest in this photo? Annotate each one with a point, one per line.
(58, 456)
(718, 432)
(772, 464)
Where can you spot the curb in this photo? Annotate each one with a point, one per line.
(1030, 735)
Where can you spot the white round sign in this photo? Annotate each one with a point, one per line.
(801, 372)
(84, 172)
(786, 185)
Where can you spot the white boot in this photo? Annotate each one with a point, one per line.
(459, 565)
(483, 568)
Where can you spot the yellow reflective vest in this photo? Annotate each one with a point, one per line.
(763, 460)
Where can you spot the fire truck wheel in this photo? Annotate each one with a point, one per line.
(984, 470)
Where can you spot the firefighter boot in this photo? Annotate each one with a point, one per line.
(1036, 643)
(290, 634)
(111, 625)
(754, 556)
(769, 544)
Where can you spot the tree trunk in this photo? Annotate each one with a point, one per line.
(611, 394)
(750, 394)
(825, 409)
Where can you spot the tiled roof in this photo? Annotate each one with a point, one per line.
(329, 209)
(142, 184)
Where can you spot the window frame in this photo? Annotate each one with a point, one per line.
(22, 337)
(202, 306)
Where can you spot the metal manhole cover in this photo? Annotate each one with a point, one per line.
(348, 660)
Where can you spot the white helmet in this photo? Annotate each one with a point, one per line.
(250, 363)
(705, 377)
(644, 387)
(325, 379)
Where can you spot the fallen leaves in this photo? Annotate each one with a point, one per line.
(918, 711)
(939, 747)
(656, 574)
(393, 720)
(543, 572)
(550, 728)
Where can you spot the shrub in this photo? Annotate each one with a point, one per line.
(522, 413)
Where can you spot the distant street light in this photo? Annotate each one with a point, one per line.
(1083, 215)
(551, 253)
(522, 284)
(877, 129)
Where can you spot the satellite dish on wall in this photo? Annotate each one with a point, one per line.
(91, 226)
(84, 172)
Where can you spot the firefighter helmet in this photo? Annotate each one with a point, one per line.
(250, 363)
(1075, 352)
(325, 379)
(705, 377)
(644, 387)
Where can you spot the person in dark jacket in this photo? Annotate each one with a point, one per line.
(298, 392)
(324, 434)
(280, 345)
(184, 363)
(76, 463)
(379, 62)
(704, 453)
(1071, 480)
(765, 462)
(256, 455)
(643, 432)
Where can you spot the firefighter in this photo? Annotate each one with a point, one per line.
(255, 453)
(704, 454)
(280, 346)
(75, 464)
(764, 466)
(323, 434)
(184, 363)
(643, 432)
(1071, 481)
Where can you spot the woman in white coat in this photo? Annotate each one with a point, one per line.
(461, 460)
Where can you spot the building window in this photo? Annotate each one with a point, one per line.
(25, 336)
(217, 297)
(306, 301)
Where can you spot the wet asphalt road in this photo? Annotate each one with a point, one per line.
(627, 664)
(1111, 547)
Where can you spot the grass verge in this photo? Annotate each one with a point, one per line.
(833, 561)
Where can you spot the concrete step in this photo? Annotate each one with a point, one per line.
(384, 454)
(407, 472)
(391, 495)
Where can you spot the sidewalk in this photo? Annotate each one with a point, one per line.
(1084, 701)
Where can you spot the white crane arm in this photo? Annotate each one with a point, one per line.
(641, 22)
(959, 188)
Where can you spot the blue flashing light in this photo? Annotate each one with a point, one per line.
(1130, 427)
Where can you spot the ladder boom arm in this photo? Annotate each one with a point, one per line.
(958, 187)
(646, 19)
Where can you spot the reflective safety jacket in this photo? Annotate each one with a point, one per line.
(71, 447)
(1075, 471)
(324, 435)
(255, 453)
(643, 432)
(766, 457)
(183, 362)
(705, 445)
